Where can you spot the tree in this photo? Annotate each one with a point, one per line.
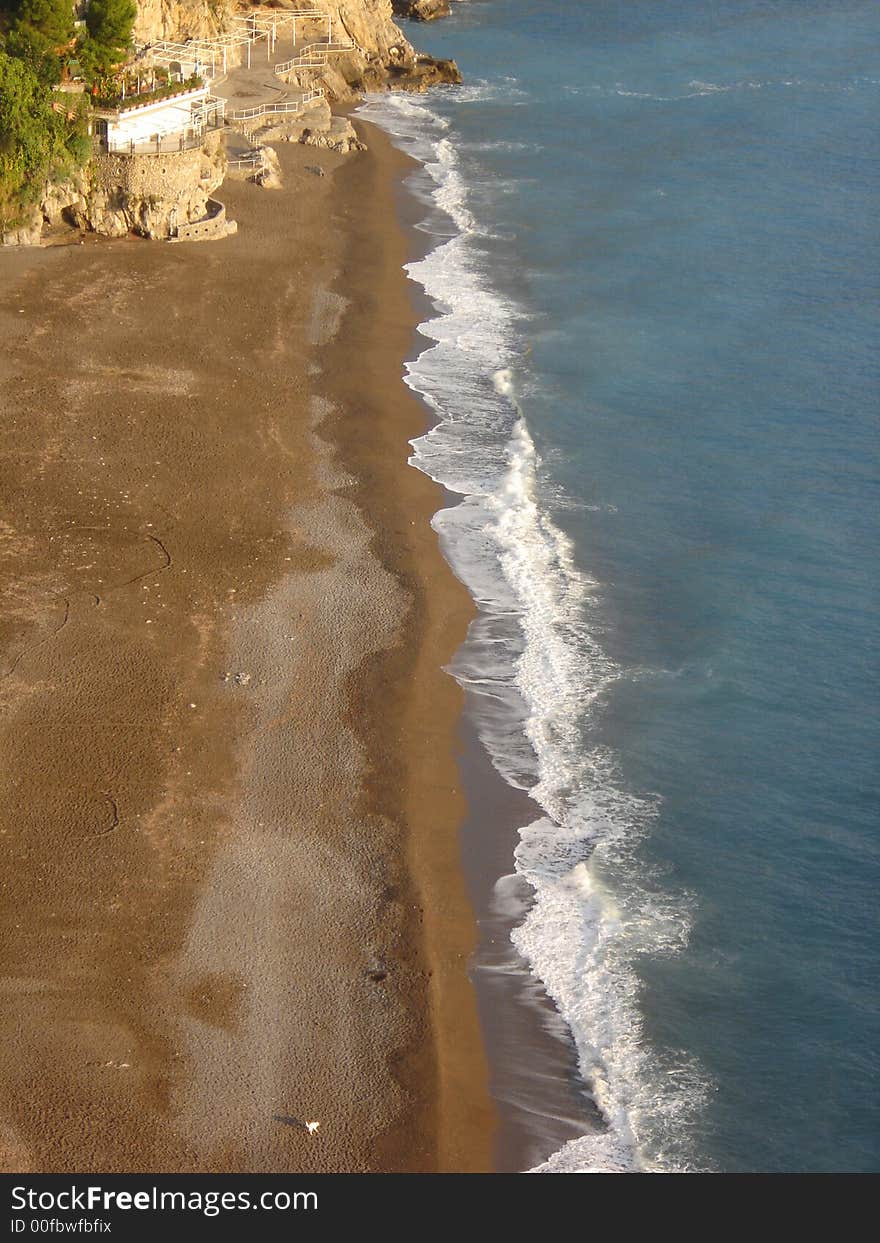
(36, 141)
(39, 30)
(110, 22)
(52, 18)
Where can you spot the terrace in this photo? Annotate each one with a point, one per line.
(143, 123)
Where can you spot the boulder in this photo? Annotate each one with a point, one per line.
(421, 10)
(268, 175)
(423, 72)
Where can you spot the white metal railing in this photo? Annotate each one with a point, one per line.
(165, 144)
(174, 135)
(266, 23)
(248, 28)
(314, 55)
(250, 159)
(212, 109)
(311, 57)
(285, 107)
(205, 51)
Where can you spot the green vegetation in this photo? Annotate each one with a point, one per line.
(112, 97)
(43, 132)
(108, 34)
(38, 32)
(41, 135)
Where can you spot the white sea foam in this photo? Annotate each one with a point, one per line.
(536, 675)
(506, 90)
(697, 89)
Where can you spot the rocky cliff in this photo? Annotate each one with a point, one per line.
(370, 23)
(179, 20)
(383, 56)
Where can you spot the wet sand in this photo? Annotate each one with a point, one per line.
(228, 830)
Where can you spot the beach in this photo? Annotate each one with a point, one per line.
(233, 899)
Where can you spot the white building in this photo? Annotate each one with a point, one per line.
(170, 124)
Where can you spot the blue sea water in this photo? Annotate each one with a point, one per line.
(655, 377)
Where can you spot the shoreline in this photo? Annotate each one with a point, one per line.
(203, 959)
(393, 494)
(540, 1098)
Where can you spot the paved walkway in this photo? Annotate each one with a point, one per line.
(247, 88)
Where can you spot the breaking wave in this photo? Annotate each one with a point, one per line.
(536, 674)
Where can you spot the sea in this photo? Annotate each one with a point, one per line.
(652, 249)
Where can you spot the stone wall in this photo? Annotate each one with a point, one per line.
(152, 195)
(213, 226)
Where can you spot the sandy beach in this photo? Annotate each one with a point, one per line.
(229, 846)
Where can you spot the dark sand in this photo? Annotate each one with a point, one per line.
(229, 815)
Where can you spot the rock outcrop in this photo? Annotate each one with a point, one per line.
(268, 174)
(339, 136)
(28, 233)
(421, 10)
(423, 72)
(317, 127)
(381, 57)
(150, 195)
(179, 20)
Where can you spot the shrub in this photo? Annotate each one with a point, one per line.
(36, 141)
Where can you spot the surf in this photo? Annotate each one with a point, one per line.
(535, 675)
